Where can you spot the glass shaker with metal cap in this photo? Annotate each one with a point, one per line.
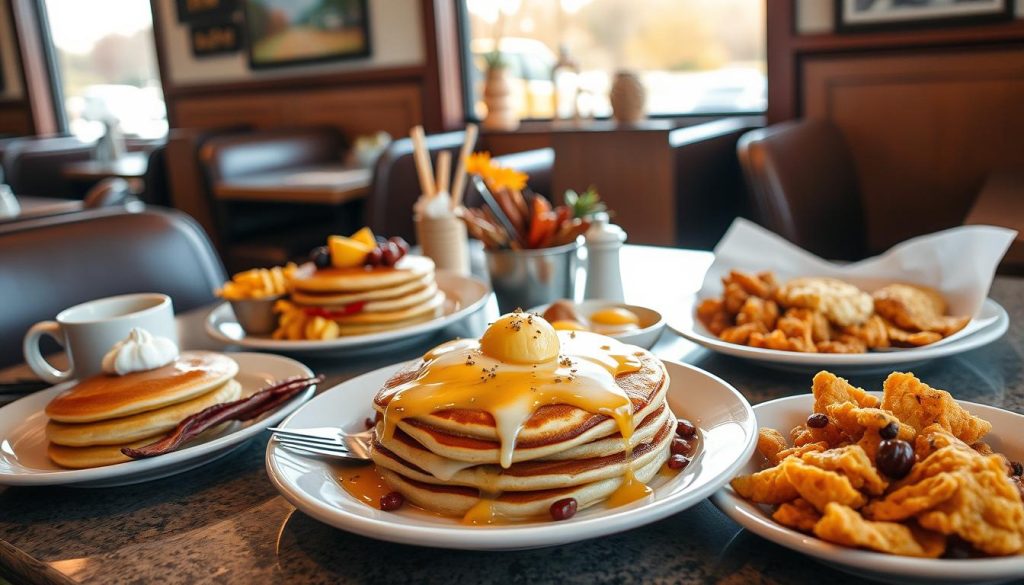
(603, 241)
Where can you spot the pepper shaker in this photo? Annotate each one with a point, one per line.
(603, 241)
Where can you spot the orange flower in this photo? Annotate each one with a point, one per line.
(495, 176)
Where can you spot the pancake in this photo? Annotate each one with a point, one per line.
(364, 329)
(412, 300)
(428, 304)
(86, 457)
(104, 397)
(126, 429)
(471, 435)
(514, 505)
(321, 299)
(360, 279)
(528, 475)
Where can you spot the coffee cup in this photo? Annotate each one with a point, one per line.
(89, 330)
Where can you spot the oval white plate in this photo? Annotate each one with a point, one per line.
(723, 415)
(686, 325)
(645, 337)
(23, 459)
(468, 293)
(786, 413)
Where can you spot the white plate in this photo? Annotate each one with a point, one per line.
(466, 295)
(23, 459)
(651, 321)
(725, 418)
(685, 324)
(786, 413)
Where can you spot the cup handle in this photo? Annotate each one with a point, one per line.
(34, 358)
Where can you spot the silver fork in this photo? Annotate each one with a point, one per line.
(326, 441)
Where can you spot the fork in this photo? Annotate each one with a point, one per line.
(325, 441)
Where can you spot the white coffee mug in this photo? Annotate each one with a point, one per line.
(88, 331)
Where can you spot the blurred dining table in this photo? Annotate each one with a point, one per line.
(319, 184)
(225, 523)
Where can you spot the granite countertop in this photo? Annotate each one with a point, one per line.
(225, 523)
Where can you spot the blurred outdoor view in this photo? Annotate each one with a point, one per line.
(693, 56)
(106, 61)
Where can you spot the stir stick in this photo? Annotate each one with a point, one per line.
(444, 170)
(422, 158)
(459, 184)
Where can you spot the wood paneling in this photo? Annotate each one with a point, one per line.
(393, 108)
(633, 171)
(15, 118)
(925, 129)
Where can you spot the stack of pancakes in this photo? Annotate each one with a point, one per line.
(447, 462)
(367, 301)
(92, 421)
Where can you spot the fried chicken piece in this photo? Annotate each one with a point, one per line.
(778, 340)
(711, 312)
(801, 321)
(903, 338)
(770, 443)
(920, 405)
(841, 302)
(831, 389)
(843, 525)
(854, 420)
(758, 310)
(830, 435)
(759, 285)
(844, 344)
(986, 510)
(798, 514)
(873, 333)
(819, 486)
(805, 448)
(913, 499)
(741, 333)
(853, 462)
(916, 308)
(769, 486)
(733, 298)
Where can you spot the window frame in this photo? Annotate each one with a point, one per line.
(465, 37)
(56, 83)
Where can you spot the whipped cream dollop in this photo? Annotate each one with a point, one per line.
(139, 352)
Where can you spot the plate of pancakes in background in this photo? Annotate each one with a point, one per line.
(360, 309)
(485, 450)
(73, 433)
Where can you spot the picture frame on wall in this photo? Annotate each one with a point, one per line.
(215, 39)
(291, 32)
(205, 11)
(875, 15)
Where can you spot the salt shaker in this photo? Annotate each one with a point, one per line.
(604, 240)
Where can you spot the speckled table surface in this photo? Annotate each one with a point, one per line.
(225, 523)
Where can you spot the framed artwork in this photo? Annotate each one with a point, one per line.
(216, 39)
(290, 32)
(871, 15)
(205, 11)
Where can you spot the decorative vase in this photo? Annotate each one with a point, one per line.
(628, 97)
(501, 114)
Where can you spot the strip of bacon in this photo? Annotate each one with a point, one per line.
(243, 409)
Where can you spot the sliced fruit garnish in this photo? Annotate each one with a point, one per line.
(365, 235)
(347, 252)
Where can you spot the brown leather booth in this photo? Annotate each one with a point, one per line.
(49, 264)
(396, 185)
(33, 165)
(804, 187)
(257, 233)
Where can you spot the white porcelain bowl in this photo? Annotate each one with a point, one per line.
(786, 413)
(651, 322)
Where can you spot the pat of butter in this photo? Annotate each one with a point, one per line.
(520, 338)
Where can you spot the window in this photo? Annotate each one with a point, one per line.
(693, 56)
(106, 69)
